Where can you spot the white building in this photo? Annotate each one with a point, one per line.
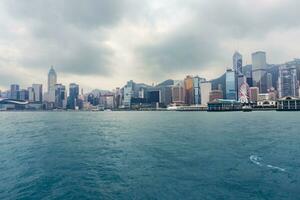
(52, 81)
(205, 88)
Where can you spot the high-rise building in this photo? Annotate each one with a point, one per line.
(247, 71)
(14, 91)
(166, 95)
(188, 86)
(287, 82)
(237, 63)
(259, 60)
(253, 94)
(231, 92)
(24, 95)
(259, 71)
(38, 92)
(52, 81)
(197, 90)
(128, 93)
(73, 96)
(205, 88)
(31, 96)
(60, 96)
(269, 81)
(178, 93)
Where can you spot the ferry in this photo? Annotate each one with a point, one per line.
(247, 108)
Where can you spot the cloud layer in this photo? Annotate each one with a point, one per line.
(103, 43)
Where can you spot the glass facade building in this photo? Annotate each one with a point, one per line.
(231, 92)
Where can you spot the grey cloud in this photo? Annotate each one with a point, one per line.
(179, 52)
(69, 33)
(197, 43)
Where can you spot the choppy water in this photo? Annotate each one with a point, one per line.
(149, 155)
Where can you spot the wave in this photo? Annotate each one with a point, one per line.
(258, 161)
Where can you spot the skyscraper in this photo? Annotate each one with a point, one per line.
(205, 88)
(178, 93)
(259, 67)
(38, 92)
(31, 96)
(287, 82)
(52, 81)
(14, 91)
(197, 89)
(237, 63)
(73, 96)
(188, 86)
(24, 95)
(231, 92)
(128, 93)
(60, 96)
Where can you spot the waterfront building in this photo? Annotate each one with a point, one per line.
(197, 90)
(38, 92)
(259, 71)
(52, 81)
(287, 82)
(14, 91)
(118, 97)
(189, 92)
(73, 96)
(205, 88)
(215, 94)
(288, 104)
(24, 95)
(221, 105)
(31, 96)
(128, 93)
(253, 94)
(165, 95)
(231, 92)
(60, 96)
(178, 94)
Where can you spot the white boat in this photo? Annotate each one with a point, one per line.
(247, 108)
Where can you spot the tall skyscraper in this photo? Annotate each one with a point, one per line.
(259, 71)
(205, 88)
(238, 63)
(52, 81)
(128, 93)
(178, 93)
(38, 92)
(73, 96)
(14, 91)
(231, 92)
(24, 95)
(189, 92)
(287, 82)
(197, 89)
(31, 96)
(60, 96)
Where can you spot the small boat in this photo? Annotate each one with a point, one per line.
(247, 108)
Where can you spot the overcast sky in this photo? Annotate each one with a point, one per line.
(103, 43)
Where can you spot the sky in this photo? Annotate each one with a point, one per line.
(104, 43)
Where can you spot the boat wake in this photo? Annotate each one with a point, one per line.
(259, 161)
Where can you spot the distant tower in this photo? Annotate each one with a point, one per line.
(52, 79)
(237, 63)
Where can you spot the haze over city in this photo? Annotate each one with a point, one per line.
(102, 44)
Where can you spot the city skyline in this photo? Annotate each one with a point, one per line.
(142, 41)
